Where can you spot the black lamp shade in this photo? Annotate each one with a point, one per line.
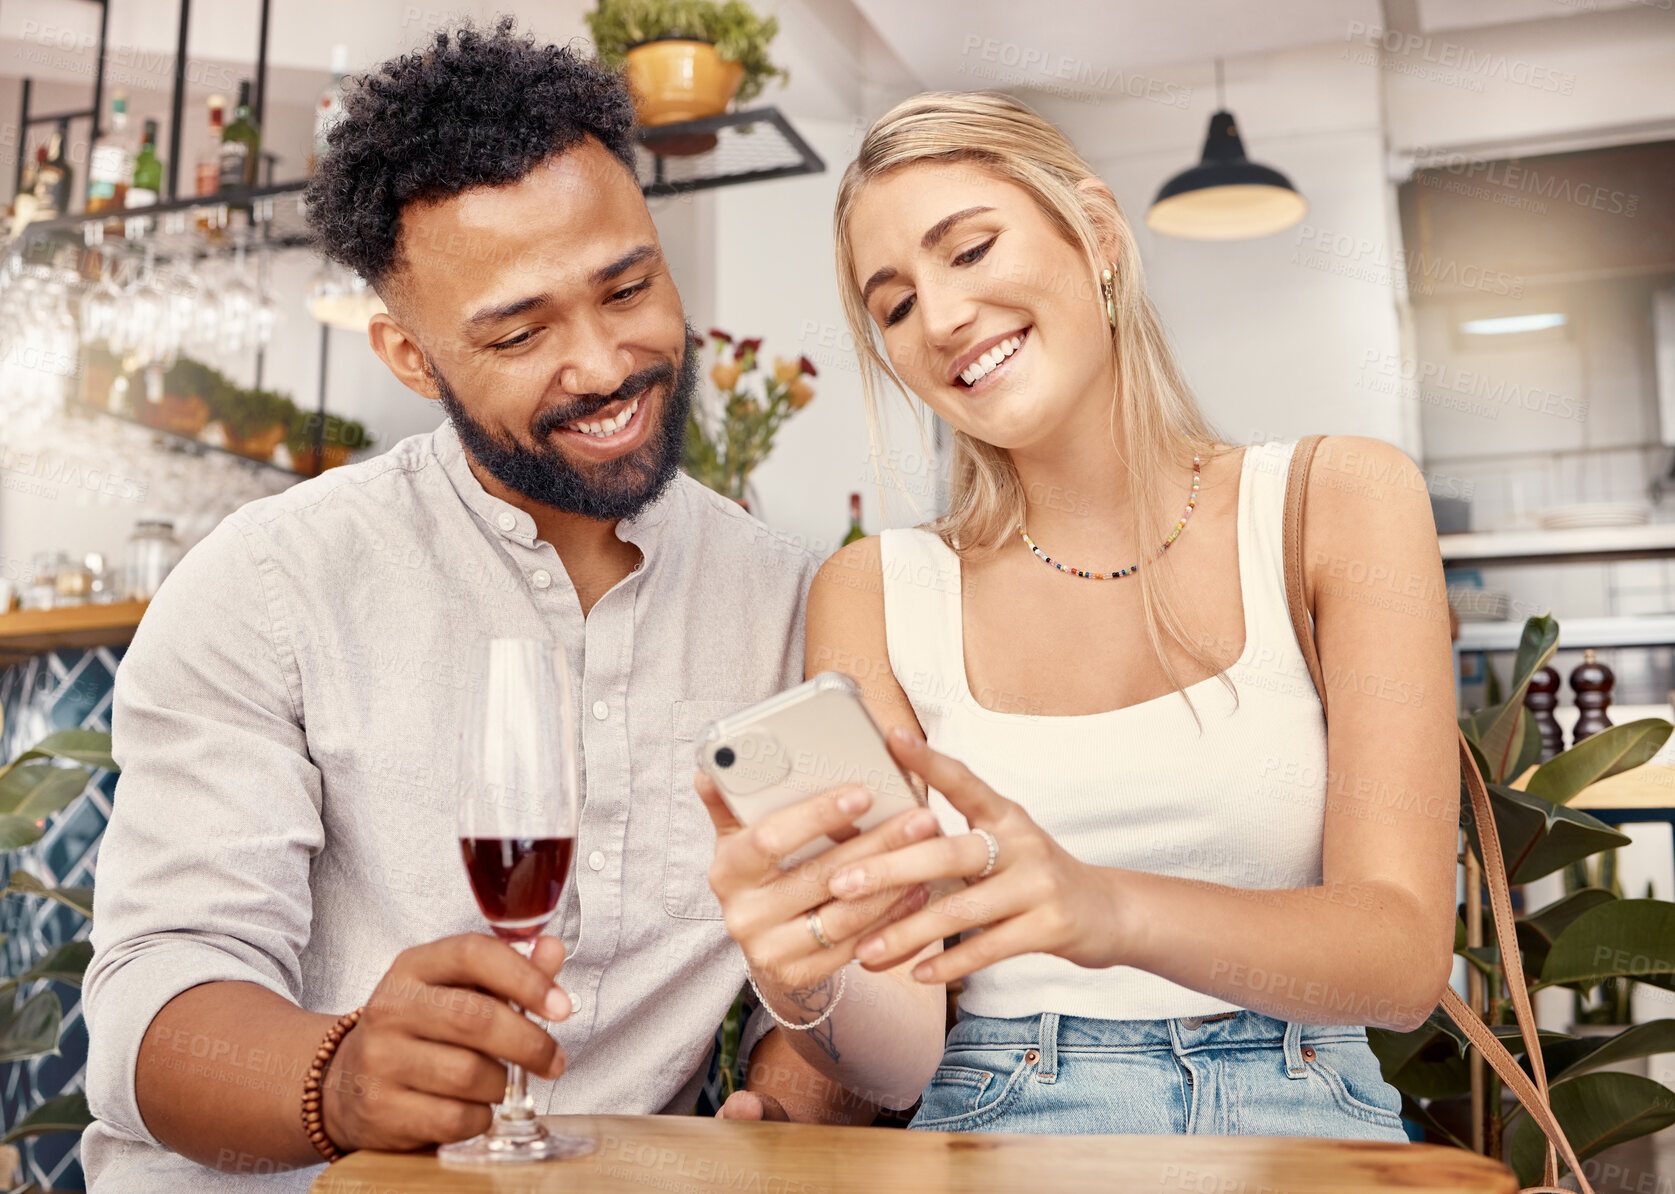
(1226, 196)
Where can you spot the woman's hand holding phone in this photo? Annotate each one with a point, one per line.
(1038, 898)
(767, 907)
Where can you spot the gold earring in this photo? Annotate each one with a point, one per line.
(1108, 291)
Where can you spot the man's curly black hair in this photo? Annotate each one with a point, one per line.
(474, 109)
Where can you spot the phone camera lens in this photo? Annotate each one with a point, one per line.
(725, 757)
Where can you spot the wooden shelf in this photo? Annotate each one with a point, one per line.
(1653, 540)
(30, 632)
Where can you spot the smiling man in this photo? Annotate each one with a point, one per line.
(283, 847)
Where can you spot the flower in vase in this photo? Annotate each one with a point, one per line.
(799, 394)
(787, 371)
(725, 375)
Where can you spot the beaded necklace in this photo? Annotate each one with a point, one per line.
(1180, 526)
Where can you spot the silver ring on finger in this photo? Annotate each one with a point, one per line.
(994, 854)
(818, 930)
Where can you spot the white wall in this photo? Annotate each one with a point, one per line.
(1273, 333)
(775, 277)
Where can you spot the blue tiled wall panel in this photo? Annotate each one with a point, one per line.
(58, 691)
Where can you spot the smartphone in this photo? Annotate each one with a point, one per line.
(807, 740)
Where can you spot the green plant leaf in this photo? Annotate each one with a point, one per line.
(1537, 932)
(1595, 1111)
(1584, 1053)
(90, 748)
(37, 790)
(78, 898)
(65, 1113)
(1501, 732)
(31, 1029)
(1529, 751)
(1538, 837)
(1431, 1062)
(66, 964)
(17, 832)
(1623, 938)
(1425, 1063)
(1535, 649)
(1609, 752)
(1485, 958)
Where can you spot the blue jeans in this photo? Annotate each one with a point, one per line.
(1238, 1074)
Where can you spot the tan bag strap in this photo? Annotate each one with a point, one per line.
(1532, 1095)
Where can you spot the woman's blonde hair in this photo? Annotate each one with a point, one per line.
(1161, 422)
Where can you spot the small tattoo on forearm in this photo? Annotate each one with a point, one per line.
(815, 1000)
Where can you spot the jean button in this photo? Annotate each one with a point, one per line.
(1192, 1021)
(1308, 1052)
(1033, 1056)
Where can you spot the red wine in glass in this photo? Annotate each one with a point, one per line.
(517, 880)
(519, 810)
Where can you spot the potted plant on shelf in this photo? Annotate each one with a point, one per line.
(34, 786)
(1588, 937)
(685, 59)
(723, 447)
(189, 389)
(339, 439)
(253, 421)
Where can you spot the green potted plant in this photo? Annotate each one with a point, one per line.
(189, 387)
(1588, 937)
(685, 59)
(253, 421)
(34, 786)
(338, 439)
(723, 447)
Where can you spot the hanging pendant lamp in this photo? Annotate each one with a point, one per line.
(1226, 196)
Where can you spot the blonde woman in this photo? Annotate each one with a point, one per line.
(1188, 892)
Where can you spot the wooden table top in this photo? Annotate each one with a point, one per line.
(642, 1153)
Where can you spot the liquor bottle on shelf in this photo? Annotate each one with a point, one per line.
(110, 166)
(328, 109)
(855, 532)
(55, 180)
(207, 169)
(241, 145)
(25, 207)
(148, 170)
(207, 175)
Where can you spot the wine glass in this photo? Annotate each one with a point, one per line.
(101, 306)
(518, 809)
(239, 304)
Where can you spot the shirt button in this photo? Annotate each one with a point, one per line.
(507, 520)
(601, 710)
(541, 579)
(596, 860)
(575, 1002)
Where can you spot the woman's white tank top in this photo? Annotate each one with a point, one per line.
(1240, 804)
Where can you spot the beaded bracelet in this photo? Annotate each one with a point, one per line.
(313, 1122)
(831, 1007)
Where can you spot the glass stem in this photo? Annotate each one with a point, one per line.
(516, 1116)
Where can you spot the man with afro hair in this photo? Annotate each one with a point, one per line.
(284, 846)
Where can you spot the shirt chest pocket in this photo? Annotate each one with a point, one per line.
(690, 846)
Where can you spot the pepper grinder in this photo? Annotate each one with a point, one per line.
(1541, 698)
(1592, 683)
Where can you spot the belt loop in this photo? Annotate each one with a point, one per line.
(1048, 1042)
(1294, 1067)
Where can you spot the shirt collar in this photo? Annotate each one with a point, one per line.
(505, 519)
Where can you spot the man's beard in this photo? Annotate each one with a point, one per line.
(607, 491)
